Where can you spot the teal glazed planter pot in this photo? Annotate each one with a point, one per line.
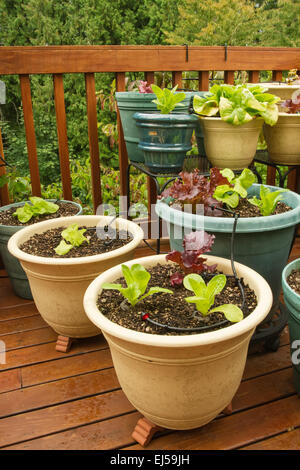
(165, 139)
(12, 265)
(292, 302)
(262, 243)
(131, 102)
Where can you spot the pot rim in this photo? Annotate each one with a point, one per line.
(294, 115)
(285, 273)
(22, 235)
(223, 224)
(262, 289)
(22, 203)
(180, 117)
(214, 118)
(278, 85)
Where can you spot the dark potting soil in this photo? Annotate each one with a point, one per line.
(43, 244)
(65, 209)
(293, 280)
(246, 209)
(171, 309)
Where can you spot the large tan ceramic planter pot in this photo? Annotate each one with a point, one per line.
(283, 139)
(58, 285)
(283, 90)
(229, 146)
(180, 382)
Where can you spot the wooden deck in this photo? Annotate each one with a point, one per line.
(52, 400)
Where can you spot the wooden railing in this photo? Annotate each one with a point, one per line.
(88, 60)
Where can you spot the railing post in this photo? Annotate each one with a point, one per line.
(123, 156)
(93, 138)
(61, 125)
(4, 196)
(203, 80)
(30, 135)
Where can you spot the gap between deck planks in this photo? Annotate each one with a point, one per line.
(50, 400)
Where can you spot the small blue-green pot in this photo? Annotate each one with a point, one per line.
(292, 302)
(165, 140)
(131, 102)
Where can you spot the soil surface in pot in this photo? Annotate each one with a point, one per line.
(246, 209)
(65, 209)
(293, 280)
(171, 309)
(43, 244)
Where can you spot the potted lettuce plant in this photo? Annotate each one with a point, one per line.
(177, 377)
(13, 218)
(62, 256)
(232, 117)
(282, 139)
(263, 237)
(165, 137)
(142, 101)
(291, 294)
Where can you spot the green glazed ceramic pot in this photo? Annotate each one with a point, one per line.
(131, 102)
(165, 139)
(262, 243)
(292, 302)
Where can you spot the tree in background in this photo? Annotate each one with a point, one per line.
(237, 23)
(280, 23)
(70, 22)
(216, 22)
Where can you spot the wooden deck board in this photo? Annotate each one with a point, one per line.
(52, 400)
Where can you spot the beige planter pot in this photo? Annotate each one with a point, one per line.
(283, 90)
(58, 285)
(283, 139)
(229, 146)
(180, 382)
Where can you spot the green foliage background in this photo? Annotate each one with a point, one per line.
(45, 22)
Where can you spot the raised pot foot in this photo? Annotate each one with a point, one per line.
(144, 431)
(63, 344)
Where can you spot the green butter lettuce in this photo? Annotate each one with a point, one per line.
(230, 195)
(205, 295)
(167, 100)
(74, 236)
(37, 207)
(137, 279)
(268, 200)
(238, 104)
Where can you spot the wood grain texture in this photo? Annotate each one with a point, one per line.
(69, 366)
(93, 138)
(84, 59)
(4, 196)
(123, 156)
(61, 417)
(61, 125)
(57, 392)
(236, 430)
(229, 77)
(44, 352)
(30, 135)
(10, 380)
(203, 81)
(253, 76)
(72, 401)
(289, 440)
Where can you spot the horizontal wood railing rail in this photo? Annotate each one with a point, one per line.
(88, 60)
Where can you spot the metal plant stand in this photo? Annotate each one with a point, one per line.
(267, 333)
(190, 163)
